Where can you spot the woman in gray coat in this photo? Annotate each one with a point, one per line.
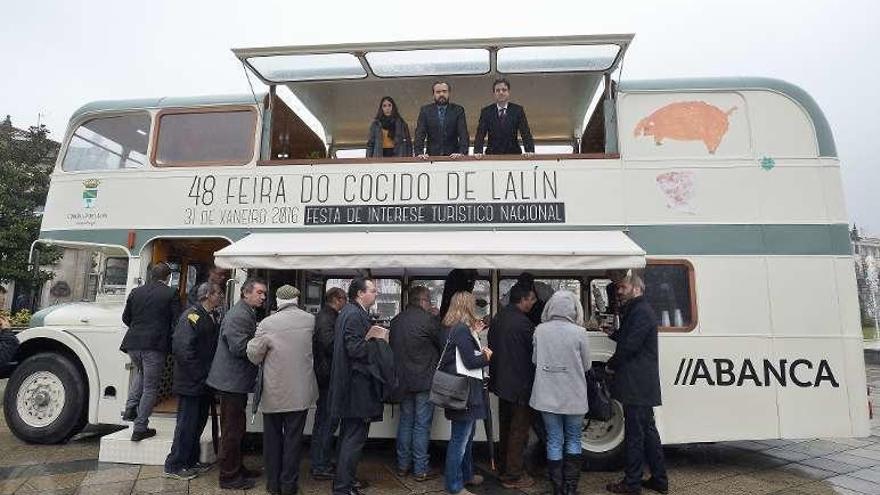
(562, 355)
(389, 134)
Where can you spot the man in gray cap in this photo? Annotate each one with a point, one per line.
(283, 346)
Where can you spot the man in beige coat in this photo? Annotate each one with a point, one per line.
(283, 346)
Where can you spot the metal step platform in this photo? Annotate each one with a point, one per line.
(118, 447)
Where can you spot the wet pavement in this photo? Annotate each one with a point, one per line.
(817, 466)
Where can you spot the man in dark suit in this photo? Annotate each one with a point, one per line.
(636, 384)
(502, 121)
(150, 312)
(354, 397)
(443, 124)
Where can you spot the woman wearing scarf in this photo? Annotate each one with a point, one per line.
(389, 134)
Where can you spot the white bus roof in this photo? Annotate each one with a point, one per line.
(554, 77)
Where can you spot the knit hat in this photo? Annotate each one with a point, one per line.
(286, 293)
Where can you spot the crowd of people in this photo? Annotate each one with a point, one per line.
(441, 127)
(349, 367)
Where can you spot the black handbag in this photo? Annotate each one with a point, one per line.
(448, 391)
(598, 396)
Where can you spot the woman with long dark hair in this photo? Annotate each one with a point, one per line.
(463, 347)
(389, 134)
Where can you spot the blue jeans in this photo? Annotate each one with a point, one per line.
(459, 461)
(414, 432)
(563, 430)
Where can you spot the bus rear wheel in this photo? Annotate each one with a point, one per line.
(602, 441)
(45, 399)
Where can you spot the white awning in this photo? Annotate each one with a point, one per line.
(517, 250)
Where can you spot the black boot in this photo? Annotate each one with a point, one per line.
(554, 474)
(571, 472)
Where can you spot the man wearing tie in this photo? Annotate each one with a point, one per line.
(502, 121)
(443, 124)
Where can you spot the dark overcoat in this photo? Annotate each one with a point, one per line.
(511, 371)
(352, 391)
(193, 344)
(322, 344)
(416, 339)
(636, 379)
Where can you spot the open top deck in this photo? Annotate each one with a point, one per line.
(555, 78)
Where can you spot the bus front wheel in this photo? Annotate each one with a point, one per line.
(45, 399)
(602, 441)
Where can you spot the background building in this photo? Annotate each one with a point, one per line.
(866, 250)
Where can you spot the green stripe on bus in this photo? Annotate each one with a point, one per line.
(657, 240)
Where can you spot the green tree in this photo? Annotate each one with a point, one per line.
(26, 161)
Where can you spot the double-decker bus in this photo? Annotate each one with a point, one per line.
(725, 193)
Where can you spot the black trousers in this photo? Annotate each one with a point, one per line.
(323, 431)
(642, 446)
(192, 416)
(352, 437)
(282, 443)
(233, 424)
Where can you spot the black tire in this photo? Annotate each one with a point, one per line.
(69, 421)
(607, 460)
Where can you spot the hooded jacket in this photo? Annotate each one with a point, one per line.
(562, 357)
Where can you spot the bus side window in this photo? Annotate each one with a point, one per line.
(206, 137)
(109, 143)
(669, 288)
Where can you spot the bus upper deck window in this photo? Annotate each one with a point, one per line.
(199, 138)
(109, 143)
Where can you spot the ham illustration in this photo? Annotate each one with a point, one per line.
(686, 121)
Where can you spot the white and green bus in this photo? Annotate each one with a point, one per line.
(725, 192)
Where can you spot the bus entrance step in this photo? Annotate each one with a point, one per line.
(118, 447)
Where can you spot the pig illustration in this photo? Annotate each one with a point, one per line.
(686, 121)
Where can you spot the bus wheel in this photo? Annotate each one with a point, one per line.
(45, 399)
(602, 441)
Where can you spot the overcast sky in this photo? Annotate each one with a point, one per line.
(60, 54)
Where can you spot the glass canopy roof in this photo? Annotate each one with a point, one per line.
(439, 58)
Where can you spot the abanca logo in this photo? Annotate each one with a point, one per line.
(721, 372)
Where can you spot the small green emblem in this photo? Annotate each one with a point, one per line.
(768, 163)
(90, 192)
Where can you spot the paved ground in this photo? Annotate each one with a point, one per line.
(762, 467)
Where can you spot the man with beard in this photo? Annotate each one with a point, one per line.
(443, 124)
(636, 385)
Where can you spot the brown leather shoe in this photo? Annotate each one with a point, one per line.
(524, 481)
(621, 487)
